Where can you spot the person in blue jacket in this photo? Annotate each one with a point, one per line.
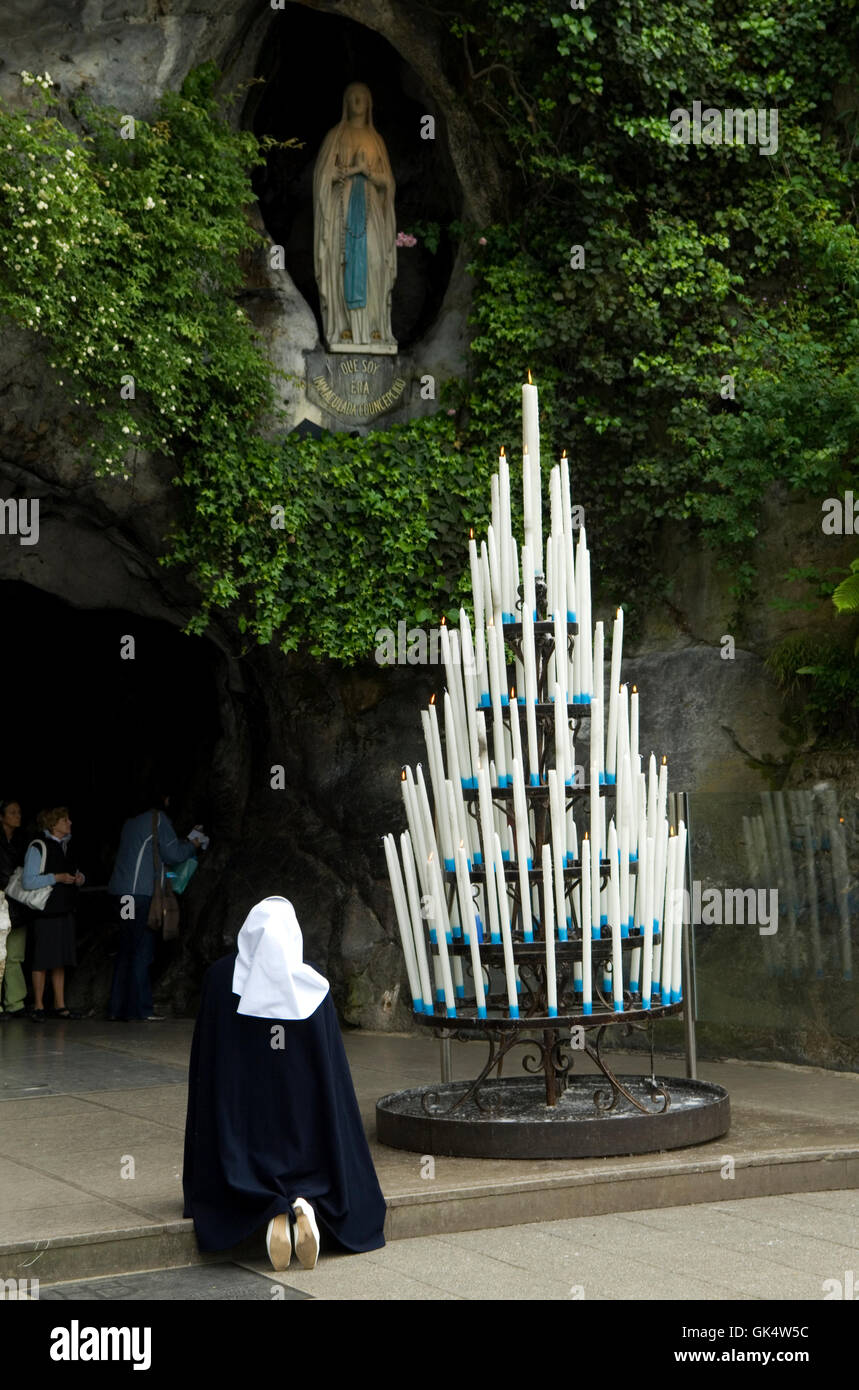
(131, 884)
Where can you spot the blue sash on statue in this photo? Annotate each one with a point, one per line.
(355, 272)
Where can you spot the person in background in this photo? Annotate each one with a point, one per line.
(131, 884)
(54, 926)
(12, 847)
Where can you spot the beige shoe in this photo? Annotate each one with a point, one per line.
(306, 1233)
(278, 1241)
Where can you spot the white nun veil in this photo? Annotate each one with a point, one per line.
(270, 974)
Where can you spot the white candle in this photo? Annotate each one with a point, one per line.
(614, 919)
(466, 908)
(595, 801)
(556, 810)
(662, 798)
(569, 550)
(524, 859)
(506, 540)
(676, 954)
(661, 857)
(423, 805)
(464, 822)
(556, 520)
(472, 695)
(527, 500)
(668, 918)
(480, 637)
(583, 598)
(549, 935)
(520, 669)
(614, 691)
(447, 833)
(652, 798)
(596, 926)
(477, 597)
(633, 726)
(403, 922)
(625, 803)
(622, 745)
(560, 621)
(453, 674)
(498, 688)
(550, 609)
(529, 587)
(414, 900)
(624, 879)
(638, 918)
(561, 738)
(438, 915)
(528, 650)
(494, 572)
(596, 678)
(415, 824)
(647, 913)
(587, 927)
(487, 835)
(597, 741)
(531, 442)
(506, 934)
(641, 805)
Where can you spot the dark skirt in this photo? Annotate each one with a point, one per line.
(53, 942)
(267, 1124)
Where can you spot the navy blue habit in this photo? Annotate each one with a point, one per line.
(267, 1124)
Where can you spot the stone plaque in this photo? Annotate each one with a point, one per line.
(357, 389)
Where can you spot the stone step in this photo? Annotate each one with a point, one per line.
(665, 1180)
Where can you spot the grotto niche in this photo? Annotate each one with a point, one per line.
(303, 101)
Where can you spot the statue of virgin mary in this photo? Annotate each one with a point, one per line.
(354, 234)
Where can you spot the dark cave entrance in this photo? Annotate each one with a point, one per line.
(87, 729)
(302, 98)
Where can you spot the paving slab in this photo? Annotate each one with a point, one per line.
(77, 1099)
(222, 1282)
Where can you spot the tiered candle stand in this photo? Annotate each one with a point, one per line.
(554, 1110)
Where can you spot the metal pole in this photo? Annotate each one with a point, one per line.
(690, 997)
(444, 1057)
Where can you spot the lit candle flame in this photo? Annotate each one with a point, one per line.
(635, 690)
(403, 775)
(563, 454)
(471, 533)
(664, 758)
(432, 698)
(530, 382)
(503, 455)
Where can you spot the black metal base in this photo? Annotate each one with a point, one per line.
(514, 1120)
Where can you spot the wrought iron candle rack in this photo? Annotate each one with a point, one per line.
(552, 1052)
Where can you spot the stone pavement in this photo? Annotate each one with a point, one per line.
(80, 1100)
(762, 1248)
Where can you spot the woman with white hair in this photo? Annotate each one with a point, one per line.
(273, 1136)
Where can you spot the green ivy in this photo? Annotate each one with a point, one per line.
(704, 265)
(121, 251)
